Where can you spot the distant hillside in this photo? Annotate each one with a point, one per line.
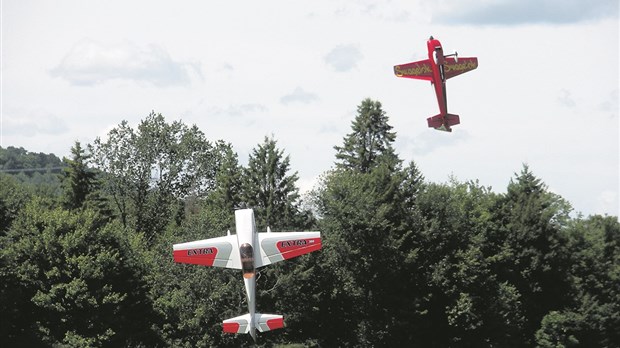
(19, 160)
(38, 170)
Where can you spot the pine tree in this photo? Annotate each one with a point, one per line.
(535, 257)
(268, 188)
(79, 181)
(227, 192)
(370, 143)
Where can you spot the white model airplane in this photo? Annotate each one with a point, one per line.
(237, 251)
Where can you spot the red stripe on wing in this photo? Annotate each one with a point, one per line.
(296, 247)
(199, 256)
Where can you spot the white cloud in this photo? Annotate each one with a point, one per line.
(515, 12)
(89, 63)
(344, 57)
(430, 140)
(237, 110)
(608, 202)
(300, 96)
(31, 124)
(565, 98)
(388, 11)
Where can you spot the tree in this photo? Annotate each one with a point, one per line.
(532, 249)
(370, 143)
(268, 188)
(35, 170)
(80, 183)
(73, 281)
(361, 226)
(226, 194)
(361, 205)
(148, 170)
(592, 320)
(13, 197)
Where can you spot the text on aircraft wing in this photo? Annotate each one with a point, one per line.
(452, 68)
(421, 70)
(278, 246)
(217, 252)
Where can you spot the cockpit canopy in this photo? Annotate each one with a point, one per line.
(247, 260)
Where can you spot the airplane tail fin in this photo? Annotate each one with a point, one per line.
(262, 322)
(443, 122)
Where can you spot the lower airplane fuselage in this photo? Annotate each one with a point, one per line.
(248, 240)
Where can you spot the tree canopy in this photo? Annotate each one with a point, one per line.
(85, 260)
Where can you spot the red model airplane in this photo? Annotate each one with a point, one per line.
(437, 69)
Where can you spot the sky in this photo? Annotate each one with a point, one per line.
(545, 93)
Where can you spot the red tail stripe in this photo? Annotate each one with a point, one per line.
(231, 327)
(277, 323)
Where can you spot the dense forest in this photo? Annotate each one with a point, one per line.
(86, 249)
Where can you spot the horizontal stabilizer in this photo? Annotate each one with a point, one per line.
(240, 324)
(443, 122)
(262, 322)
(268, 322)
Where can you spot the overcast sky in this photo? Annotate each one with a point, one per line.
(545, 92)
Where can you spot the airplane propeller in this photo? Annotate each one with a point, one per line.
(455, 55)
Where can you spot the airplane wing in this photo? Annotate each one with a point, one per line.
(278, 246)
(421, 70)
(216, 252)
(453, 67)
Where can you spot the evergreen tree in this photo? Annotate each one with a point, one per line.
(370, 143)
(13, 197)
(362, 204)
(79, 181)
(534, 255)
(226, 194)
(592, 320)
(269, 189)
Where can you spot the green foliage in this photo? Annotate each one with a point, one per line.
(15, 160)
(360, 225)
(370, 143)
(80, 183)
(557, 330)
(149, 169)
(36, 170)
(13, 197)
(72, 280)
(535, 258)
(268, 188)
(227, 192)
(405, 262)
